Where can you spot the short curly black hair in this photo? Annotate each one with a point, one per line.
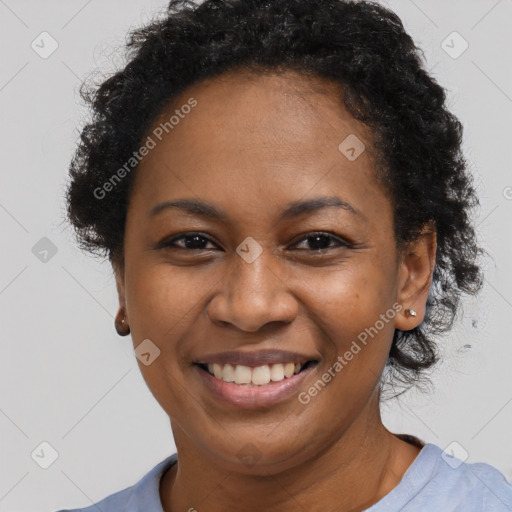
(360, 45)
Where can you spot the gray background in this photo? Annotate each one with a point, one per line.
(67, 378)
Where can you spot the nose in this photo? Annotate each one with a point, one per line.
(253, 295)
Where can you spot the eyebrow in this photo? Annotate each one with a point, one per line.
(294, 209)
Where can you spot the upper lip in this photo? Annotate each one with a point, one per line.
(254, 358)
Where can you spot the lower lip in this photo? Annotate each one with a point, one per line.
(251, 397)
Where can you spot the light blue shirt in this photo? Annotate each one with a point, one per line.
(431, 484)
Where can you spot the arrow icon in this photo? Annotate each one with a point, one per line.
(454, 45)
(44, 250)
(351, 147)
(44, 455)
(249, 249)
(147, 352)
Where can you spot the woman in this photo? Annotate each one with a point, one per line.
(281, 192)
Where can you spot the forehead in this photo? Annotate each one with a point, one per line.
(271, 138)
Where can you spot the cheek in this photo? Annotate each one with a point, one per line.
(355, 314)
(161, 301)
(354, 298)
(355, 326)
(162, 305)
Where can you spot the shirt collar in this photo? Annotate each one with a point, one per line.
(145, 494)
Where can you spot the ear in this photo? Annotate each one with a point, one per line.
(416, 269)
(118, 268)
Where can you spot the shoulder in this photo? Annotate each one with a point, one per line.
(479, 484)
(144, 495)
(438, 480)
(456, 485)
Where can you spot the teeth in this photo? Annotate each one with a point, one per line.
(276, 372)
(289, 369)
(258, 376)
(261, 375)
(217, 370)
(242, 374)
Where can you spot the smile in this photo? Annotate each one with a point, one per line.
(254, 378)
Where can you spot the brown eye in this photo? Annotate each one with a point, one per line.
(190, 241)
(322, 241)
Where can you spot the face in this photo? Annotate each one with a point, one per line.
(296, 266)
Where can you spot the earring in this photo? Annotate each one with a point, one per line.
(410, 312)
(122, 328)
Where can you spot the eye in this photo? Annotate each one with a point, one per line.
(321, 241)
(192, 241)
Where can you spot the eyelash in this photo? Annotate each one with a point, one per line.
(171, 243)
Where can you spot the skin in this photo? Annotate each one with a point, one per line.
(252, 145)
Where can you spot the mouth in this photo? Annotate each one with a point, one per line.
(254, 379)
(255, 376)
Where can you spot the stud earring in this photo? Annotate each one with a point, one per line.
(410, 312)
(122, 328)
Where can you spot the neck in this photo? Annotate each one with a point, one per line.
(352, 473)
